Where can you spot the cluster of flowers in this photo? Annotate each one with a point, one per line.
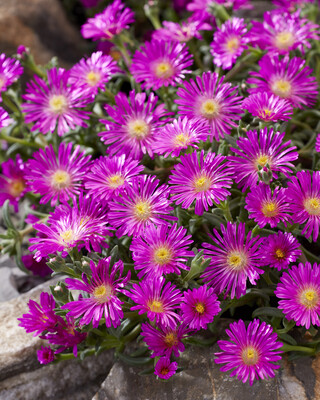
(209, 155)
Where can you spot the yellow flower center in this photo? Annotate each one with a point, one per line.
(115, 54)
(210, 108)
(312, 205)
(279, 253)
(103, 293)
(262, 161)
(93, 78)
(250, 356)
(138, 129)
(114, 181)
(233, 44)
(281, 88)
(162, 255)
(284, 40)
(142, 210)
(60, 179)
(200, 308)
(67, 236)
(182, 140)
(171, 339)
(164, 371)
(270, 209)
(16, 187)
(309, 298)
(155, 306)
(164, 70)
(236, 260)
(58, 104)
(202, 184)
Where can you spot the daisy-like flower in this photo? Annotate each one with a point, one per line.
(161, 250)
(178, 136)
(56, 104)
(5, 119)
(164, 368)
(57, 177)
(199, 307)
(161, 63)
(10, 71)
(279, 250)
(135, 121)
(281, 32)
(158, 300)
(110, 176)
(41, 317)
(183, 32)
(251, 353)
(105, 283)
(212, 101)
(82, 225)
(229, 41)
(45, 355)
(304, 197)
(112, 21)
(205, 180)
(268, 107)
(268, 207)
(12, 181)
(94, 72)
(142, 204)
(164, 341)
(299, 291)
(263, 149)
(234, 259)
(287, 78)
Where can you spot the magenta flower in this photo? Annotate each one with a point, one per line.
(183, 32)
(161, 63)
(205, 180)
(57, 177)
(290, 5)
(82, 225)
(199, 307)
(5, 119)
(281, 32)
(164, 368)
(234, 259)
(267, 207)
(179, 135)
(203, 7)
(229, 41)
(268, 107)
(212, 101)
(261, 150)
(37, 268)
(164, 341)
(12, 181)
(317, 145)
(89, 3)
(304, 198)
(105, 283)
(279, 250)
(45, 355)
(56, 104)
(158, 300)
(94, 72)
(112, 21)
(41, 317)
(251, 353)
(142, 204)
(110, 176)
(10, 71)
(299, 291)
(287, 78)
(161, 250)
(135, 122)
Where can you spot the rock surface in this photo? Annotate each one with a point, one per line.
(42, 26)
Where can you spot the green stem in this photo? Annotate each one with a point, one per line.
(24, 142)
(117, 40)
(287, 347)
(10, 104)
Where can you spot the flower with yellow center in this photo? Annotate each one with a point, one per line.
(103, 293)
(93, 78)
(58, 104)
(210, 108)
(155, 306)
(60, 179)
(142, 210)
(281, 88)
(280, 254)
(250, 355)
(163, 70)
(237, 261)
(202, 184)
(16, 187)
(138, 129)
(233, 44)
(262, 160)
(162, 255)
(115, 181)
(284, 40)
(309, 298)
(171, 339)
(200, 308)
(270, 209)
(312, 205)
(67, 237)
(182, 140)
